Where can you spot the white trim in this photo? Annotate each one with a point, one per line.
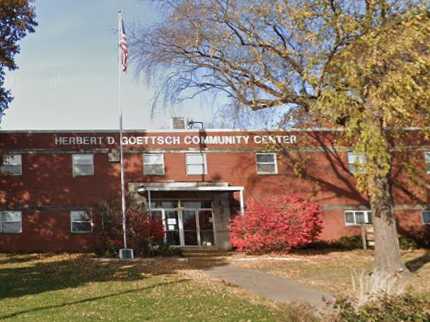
(242, 203)
(205, 163)
(162, 163)
(20, 221)
(427, 161)
(75, 174)
(354, 211)
(208, 188)
(17, 166)
(275, 162)
(422, 217)
(360, 161)
(80, 221)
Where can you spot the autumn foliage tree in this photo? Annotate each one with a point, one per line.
(17, 18)
(360, 65)
(276, 225)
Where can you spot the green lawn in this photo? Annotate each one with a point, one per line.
(80, 288)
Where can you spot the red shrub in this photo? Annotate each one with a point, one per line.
(142, 231)
(276, 225)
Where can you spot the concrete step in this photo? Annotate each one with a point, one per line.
(209, 252)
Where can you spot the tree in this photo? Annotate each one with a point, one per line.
(17, 18)
(361, 65)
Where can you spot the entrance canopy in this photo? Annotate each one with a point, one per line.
(192, 186)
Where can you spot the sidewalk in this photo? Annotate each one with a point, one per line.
(269, 286)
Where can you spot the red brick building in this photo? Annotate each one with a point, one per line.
(51, 182)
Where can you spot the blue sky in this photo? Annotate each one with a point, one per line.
(68, 79)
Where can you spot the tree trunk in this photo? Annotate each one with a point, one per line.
(390, 274)
(387, 250)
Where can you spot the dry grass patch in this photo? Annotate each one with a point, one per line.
(332, 272)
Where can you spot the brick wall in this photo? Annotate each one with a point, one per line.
(307, 165)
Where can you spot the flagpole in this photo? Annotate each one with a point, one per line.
(121, 150)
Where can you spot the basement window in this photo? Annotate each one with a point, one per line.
(10, 222)
(83, 165)
(153, 164)
(12, 165)
(358, 217)
(80, 222)
(266, 163)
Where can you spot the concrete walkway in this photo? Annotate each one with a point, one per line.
(269, 286)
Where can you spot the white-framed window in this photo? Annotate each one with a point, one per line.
(426, 217)
(195, 163)
(266, 163)
(80, 222)
(10, 222)
(83, 165)
(427, 160)
(12, 164)
(356, 162)
(153, 164)
(358, 217)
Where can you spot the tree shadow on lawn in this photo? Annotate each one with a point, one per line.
(72, 271)
(415, 264)
(49, 274)
(91, 299)
(22, 258)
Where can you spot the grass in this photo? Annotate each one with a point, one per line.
(81, 288)
(332, 271)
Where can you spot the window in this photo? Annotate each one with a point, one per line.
(153, 164)
(356, 162)
(196, 163)
(266, 163)
(12, 165)
(83, 165)
(427, 160)
(426, 217)
(80, 222)
(358, 217)
(10, 222)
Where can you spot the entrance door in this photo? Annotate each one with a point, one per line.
(190, 225)
(171, 218)
(189, 222)
(206, 228)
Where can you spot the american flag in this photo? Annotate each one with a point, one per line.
(123, 46)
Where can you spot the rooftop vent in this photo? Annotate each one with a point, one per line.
(178, 123)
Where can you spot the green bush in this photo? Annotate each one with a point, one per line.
(385, 308)
(406, 242)
(349, 242)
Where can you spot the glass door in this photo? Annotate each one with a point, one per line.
(186, 223)
(189, 224)
(171, 224)
(206, 228)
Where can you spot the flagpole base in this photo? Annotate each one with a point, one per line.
(126, 254)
